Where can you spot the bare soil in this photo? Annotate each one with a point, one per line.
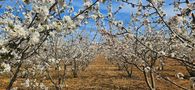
(102, 75)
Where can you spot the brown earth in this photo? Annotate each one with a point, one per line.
(102, 75)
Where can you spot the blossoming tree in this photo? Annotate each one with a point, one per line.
(46, 33)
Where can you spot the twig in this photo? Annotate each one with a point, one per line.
(85, 9)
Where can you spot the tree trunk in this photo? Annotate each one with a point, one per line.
(13, 79)
(74, 70)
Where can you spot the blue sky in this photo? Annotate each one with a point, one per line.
(125, 12)
(123, 15)
(77, 4)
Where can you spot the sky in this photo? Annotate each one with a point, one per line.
(123, 15)
(125, 12)
(77, 4)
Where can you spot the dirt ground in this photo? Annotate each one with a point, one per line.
(102, 75)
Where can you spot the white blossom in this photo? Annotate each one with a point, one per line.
(120, 24)
(149, 44)
(15, 88)
(67, 19)
(130, 36)
(52, 60)
(180, 75)
(43, 87)
(15, 54)
(52, 34)
(27, 83)
(57, 26)
(147, 69)
(162, 52)
(19, 31)
(34, 38)
(42, 12)
(4, 50)
(173, 54)
(94, 17)
(6, 67)
(80, 17)
(156, 1)
(87, 3)
(51, 1)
